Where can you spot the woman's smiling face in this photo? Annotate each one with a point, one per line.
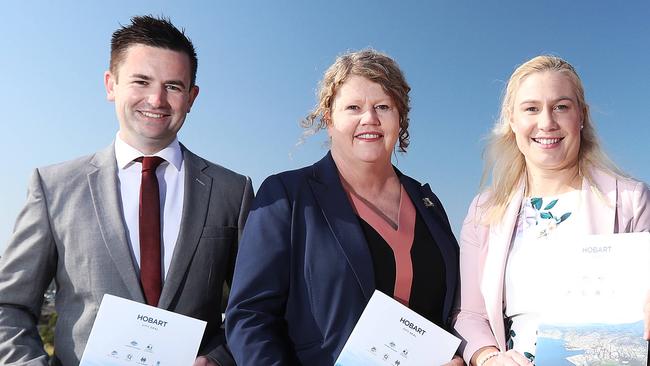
(364, 123)
(546, 120)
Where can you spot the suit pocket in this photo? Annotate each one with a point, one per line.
(308, 347)
(308, 352)
(217, 232)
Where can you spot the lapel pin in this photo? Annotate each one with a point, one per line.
(427, 202)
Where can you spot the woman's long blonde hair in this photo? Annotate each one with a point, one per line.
(505, 164)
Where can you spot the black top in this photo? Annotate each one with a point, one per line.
(428, 287)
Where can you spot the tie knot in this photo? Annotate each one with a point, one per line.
(150, 162)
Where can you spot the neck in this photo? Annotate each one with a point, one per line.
(542, 182)
(146, 147)
(363, 177)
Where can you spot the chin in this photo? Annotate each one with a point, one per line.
(373, 159)
(556, 165)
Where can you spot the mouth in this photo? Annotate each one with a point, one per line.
(547, 141)
(153, 115)
(369, 136)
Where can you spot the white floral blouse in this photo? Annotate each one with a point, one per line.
(540, 219)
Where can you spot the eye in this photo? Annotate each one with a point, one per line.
(352, 107)
(383, 107)
(140, 82)
(531, 109)
(561, 107)
(173, 87)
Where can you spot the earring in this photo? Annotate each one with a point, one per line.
(582, 126)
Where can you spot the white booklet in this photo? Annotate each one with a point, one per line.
(129, 333)
(389, 333)
(595, 290)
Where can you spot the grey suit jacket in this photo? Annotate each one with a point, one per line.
(72, 230)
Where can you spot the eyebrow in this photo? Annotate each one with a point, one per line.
(168, 82)
(561, 98)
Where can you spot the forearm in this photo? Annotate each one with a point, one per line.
(20, 342)
(475, 331)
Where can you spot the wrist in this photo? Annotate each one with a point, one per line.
(483, 359)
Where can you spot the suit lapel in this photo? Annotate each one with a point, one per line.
(495, 264)
(333, 201)
(195, 208)
(103, 183)
(433, 217)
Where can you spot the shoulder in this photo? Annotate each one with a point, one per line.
(632, 194)
(626, 188)
(629, 198)
(477, 209)
(70, 172)
(475, 227)
(286, 183)
(632, 186)
(214, 170)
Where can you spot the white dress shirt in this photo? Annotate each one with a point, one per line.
(171, 183)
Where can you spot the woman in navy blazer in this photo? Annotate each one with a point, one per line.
(313, 249)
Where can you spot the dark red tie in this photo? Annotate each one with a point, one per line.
(150, 261)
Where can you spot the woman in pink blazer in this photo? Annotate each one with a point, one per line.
(550, 178)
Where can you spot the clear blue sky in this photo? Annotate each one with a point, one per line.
(260, 62)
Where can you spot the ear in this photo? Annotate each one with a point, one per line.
(109, 84)
(194, 92)
(328, 121)
(512, 124)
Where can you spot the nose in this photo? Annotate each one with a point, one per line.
(370, 117)
(158, 97)
(546, 121)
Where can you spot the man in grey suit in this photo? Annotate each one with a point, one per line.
(82, 223)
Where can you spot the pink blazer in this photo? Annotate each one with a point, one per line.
(623, 206)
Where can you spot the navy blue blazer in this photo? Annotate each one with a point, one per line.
(304, 272)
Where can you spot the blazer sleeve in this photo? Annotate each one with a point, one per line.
(471, 322)
(27, 267)
(255, 325)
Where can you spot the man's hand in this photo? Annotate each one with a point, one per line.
(204, 361)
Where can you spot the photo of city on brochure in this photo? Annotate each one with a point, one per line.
(591, 345)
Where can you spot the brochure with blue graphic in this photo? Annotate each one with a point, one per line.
(390, 334)
(129, 333)
(596, 289)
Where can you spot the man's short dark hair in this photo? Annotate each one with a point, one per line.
(155, 32)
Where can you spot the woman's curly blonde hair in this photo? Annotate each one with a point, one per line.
(370, 64)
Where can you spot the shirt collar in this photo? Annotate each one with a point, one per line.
(125, 153)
